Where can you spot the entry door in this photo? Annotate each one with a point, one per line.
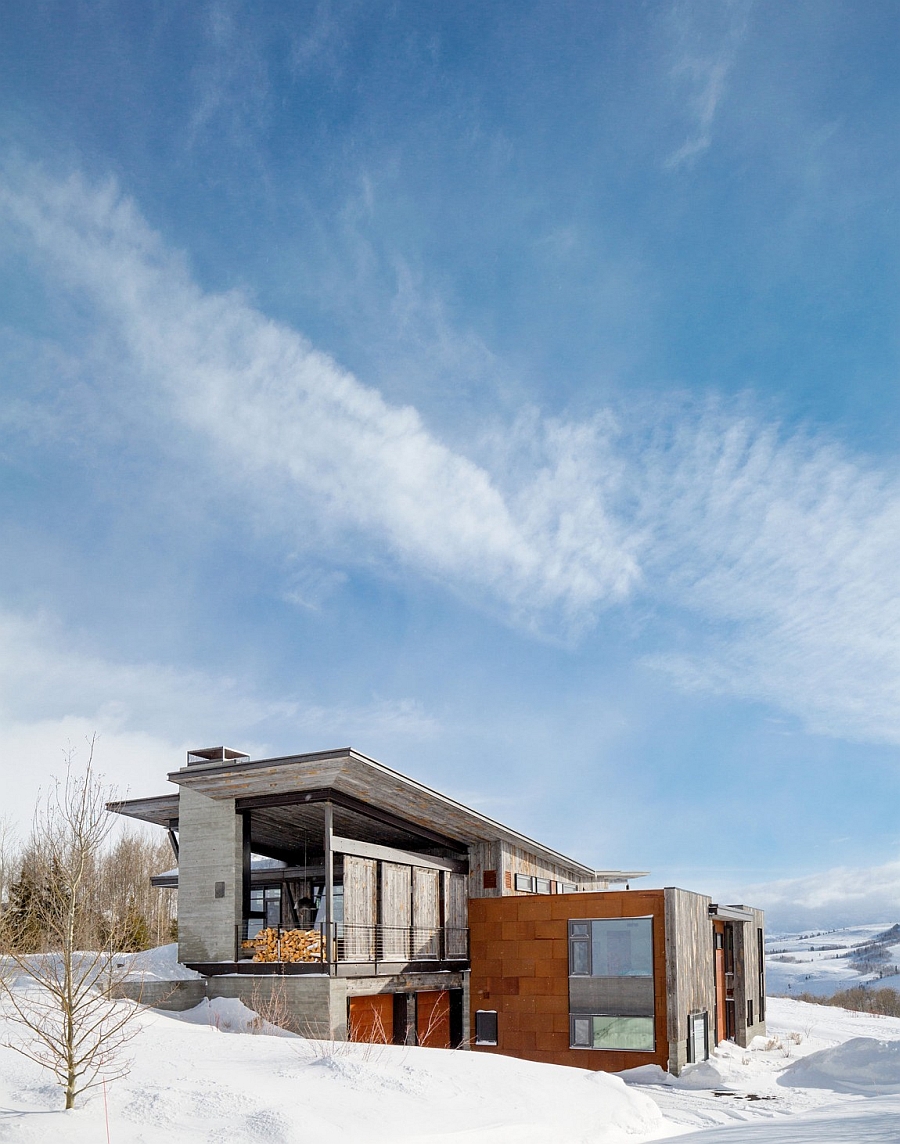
(719, 941)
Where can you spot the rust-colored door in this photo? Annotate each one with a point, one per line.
(433, 1018)
(371, 1019)
(719, 945)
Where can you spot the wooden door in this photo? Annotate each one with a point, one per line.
(433, 1018)
(359, 909)
(371, 1019)
(719, 944)
(396, 910)
(426, 913)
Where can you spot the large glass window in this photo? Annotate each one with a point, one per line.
(611, 987)
(611, 947)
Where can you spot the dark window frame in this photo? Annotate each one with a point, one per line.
(482, 1034)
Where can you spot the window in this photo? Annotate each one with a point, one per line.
(486, 1027)
(566, 887)
(264, 909)
(761, 962)
(531, 885)
(611, 987)
(698, 1037)
(611, 947)
(750, 1012)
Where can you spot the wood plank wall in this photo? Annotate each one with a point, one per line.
(426, 911)
(690, 975)
(746, 979)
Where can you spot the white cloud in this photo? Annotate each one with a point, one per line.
(842, 896)
(778, 551)
(701, 70)
(788, 548)
(284, 423)
(56, 693)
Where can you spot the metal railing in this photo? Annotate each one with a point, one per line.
(401, 943)
(349, 942)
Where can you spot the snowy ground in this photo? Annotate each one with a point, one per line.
(822, 1075)
(825, 961)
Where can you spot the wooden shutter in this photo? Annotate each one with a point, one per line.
(426, 912)
(359, 908)
(456, 911)
(396, 910)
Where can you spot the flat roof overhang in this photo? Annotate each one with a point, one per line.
(375, 786)
(255, 783)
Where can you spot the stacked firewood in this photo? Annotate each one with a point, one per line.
(292, 945)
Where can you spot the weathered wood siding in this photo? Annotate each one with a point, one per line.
(396, 910)
(690, 975)
(359, 908)
(746, 980)
(455, 914)
(426, 912)
(485, 859)
(515, 860)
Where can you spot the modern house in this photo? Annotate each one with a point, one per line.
(384, 910)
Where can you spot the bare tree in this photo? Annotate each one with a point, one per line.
(63, 996)
(142, 915)
(9, 860)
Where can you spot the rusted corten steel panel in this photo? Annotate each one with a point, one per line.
(520, 968)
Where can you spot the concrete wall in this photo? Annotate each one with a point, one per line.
(314, 1005)
(173, 996)
(210, 851)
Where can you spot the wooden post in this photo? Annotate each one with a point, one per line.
(329, 886)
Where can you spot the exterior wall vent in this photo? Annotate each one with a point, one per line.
(215, 755)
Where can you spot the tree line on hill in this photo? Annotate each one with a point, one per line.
(885, 1002)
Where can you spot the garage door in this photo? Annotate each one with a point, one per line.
(371, 1019)
(433, 1018)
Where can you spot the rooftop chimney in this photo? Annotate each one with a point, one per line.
(215, 755)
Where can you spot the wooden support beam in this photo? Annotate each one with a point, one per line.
(402, 857)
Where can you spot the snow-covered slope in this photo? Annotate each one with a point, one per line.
(822, 1075)
(195, 1083)
(822, 962)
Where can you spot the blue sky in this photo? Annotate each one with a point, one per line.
(509, 391)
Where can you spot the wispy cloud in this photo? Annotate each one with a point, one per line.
(774, 553)
(787, 547)
(284, 422)
(704, 56)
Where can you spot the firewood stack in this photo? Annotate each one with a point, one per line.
(293, 945)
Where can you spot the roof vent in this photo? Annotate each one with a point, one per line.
(215, 755)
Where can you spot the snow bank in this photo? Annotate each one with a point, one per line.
(159, 964)
(192, 1084)
(861, 1065)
